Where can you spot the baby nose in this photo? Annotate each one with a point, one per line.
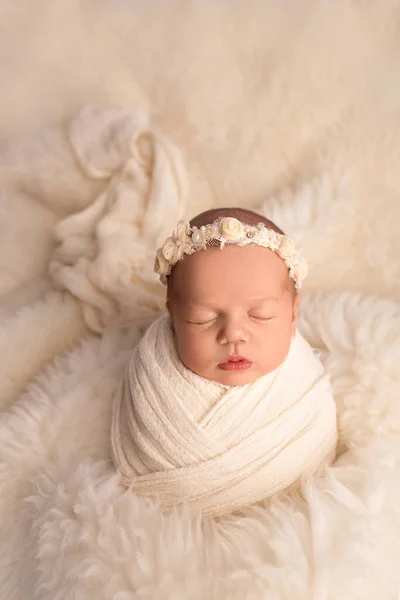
(233, 332)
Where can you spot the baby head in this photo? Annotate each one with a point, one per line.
(233, 310)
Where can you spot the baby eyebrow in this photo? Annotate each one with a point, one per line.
(213, 309)
(265, 299)
(199, 305)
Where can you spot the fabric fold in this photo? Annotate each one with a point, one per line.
(105, 253)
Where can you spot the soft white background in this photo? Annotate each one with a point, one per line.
(261, 96)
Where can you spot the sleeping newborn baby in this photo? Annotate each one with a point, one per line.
(224, 403)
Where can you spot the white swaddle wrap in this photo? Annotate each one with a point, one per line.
(189, 441)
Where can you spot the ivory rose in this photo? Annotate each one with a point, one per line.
(301, 270)
(286, 247)
(161, 265)
(231, 228)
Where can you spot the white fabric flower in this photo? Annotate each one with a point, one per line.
(269, 238)
(177, 245)
(231, 228)
(180, 250)
(301, 270)
(181, 232)
(161, 264)
(169, 249)
(286, 247)
(183, 242)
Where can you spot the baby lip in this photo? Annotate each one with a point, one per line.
(235, 363)
(237, 358)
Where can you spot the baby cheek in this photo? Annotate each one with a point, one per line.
(284, 341)
(276, 345)
(191, 349)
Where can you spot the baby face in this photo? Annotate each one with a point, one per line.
(233, 313)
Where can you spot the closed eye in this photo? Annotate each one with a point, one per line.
(201, 322)
(258, 318)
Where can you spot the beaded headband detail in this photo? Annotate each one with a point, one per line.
(225, 231)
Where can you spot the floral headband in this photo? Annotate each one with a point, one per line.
(187, 240)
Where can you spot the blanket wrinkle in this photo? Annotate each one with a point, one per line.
(244, 445)
(104, 253)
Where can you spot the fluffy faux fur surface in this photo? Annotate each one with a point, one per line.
(289, 108)
(72, 532)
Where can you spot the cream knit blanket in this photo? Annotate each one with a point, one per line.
(189, 441)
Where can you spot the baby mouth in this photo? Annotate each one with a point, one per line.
(235, 363)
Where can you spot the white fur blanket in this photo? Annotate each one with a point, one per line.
(286, 108)
(70, 532)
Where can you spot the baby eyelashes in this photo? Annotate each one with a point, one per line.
(213, 319)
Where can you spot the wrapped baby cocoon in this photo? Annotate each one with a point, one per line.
(188, 441)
